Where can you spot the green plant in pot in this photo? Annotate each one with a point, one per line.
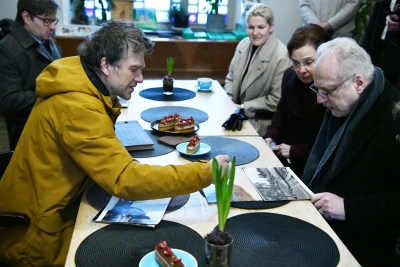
(168, 81)
(179, 14)
(79, 11)
(218, 243)
(215, 21)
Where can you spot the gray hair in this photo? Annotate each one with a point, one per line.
(261, 10)
(351, 58)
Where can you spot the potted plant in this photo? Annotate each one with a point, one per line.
(215, 21)
(80, 16)
(179, 15)
(218, 243)
(168, 81)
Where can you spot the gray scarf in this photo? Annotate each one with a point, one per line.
(336, 135)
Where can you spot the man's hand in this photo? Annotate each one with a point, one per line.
(223, 161)
(268, 141)
(282, 150)
(392, 22)
(329, 205)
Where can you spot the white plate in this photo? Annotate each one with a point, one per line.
(204, 90)
(203, 149)
(150, 259)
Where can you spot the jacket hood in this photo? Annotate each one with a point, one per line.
(67, 75)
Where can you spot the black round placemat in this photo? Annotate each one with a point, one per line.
(158, 113)
(157, 94)
(159, 149)
(244, 152)
(268, 239)
(120, 245)
(98, 198)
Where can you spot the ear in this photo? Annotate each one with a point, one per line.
(26, 17)
(361, 83)
(271, 29)
(104, 66)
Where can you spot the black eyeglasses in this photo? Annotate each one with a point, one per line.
(47, 22)
(325, 96)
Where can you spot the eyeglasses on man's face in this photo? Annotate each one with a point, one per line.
(307, 64)
(325, 95)
(48, 22)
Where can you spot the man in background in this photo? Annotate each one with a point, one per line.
(335, 17)
(25, 52)
(354, 166)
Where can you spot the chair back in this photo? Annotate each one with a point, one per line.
(5, 158)
(9, 219)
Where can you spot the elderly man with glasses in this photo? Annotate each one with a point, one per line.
(354, 167)
(25, 52)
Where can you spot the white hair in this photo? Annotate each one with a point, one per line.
(351, 58)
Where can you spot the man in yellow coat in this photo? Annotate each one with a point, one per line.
(69, 141)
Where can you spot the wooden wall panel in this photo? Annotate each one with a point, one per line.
(193, 58)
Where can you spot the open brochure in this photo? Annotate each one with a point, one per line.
(264, 184)
(146, 213)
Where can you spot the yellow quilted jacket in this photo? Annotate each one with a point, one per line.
(68, 138)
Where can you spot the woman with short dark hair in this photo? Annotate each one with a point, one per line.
(298, 117)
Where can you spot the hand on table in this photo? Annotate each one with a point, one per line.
(329, 205)
(223, 161)
(268, 141)
(282, 150)
(392, 22)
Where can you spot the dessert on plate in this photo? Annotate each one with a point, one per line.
(184, 125)
(166, 257)
(168, 122)
(193, 145)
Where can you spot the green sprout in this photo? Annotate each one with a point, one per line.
(170, 65)
(223, 191)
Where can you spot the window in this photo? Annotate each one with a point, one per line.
(197, 9)
(93, 9)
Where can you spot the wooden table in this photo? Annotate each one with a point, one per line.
(202, 217)
(216, 104)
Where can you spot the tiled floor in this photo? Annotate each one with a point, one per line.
(3, 135)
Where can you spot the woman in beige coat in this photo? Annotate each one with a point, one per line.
(255, 73)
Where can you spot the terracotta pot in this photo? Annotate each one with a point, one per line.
(168, 86)
(218, 255)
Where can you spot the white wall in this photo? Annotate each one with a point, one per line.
(286, 16)
(8, 9)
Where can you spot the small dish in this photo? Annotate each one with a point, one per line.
(154, 126)
(203, 149)
(204, 90)
(149, 260)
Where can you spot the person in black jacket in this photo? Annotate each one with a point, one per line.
(25, 52)
(5, 25)
(353, 168)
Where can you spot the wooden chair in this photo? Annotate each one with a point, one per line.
(9, 219)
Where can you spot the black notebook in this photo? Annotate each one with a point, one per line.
(132, 136)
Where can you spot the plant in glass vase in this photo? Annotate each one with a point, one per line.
(215, 21)
(218, 243)
(168, 81)
(178, 13)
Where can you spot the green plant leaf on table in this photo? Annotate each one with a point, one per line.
(223, 190)
(170, 65)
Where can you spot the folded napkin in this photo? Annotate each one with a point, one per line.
(172, 141)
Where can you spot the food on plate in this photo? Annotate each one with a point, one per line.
(168, 122)
(184, 125)
(193, 145)
(166, 257)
